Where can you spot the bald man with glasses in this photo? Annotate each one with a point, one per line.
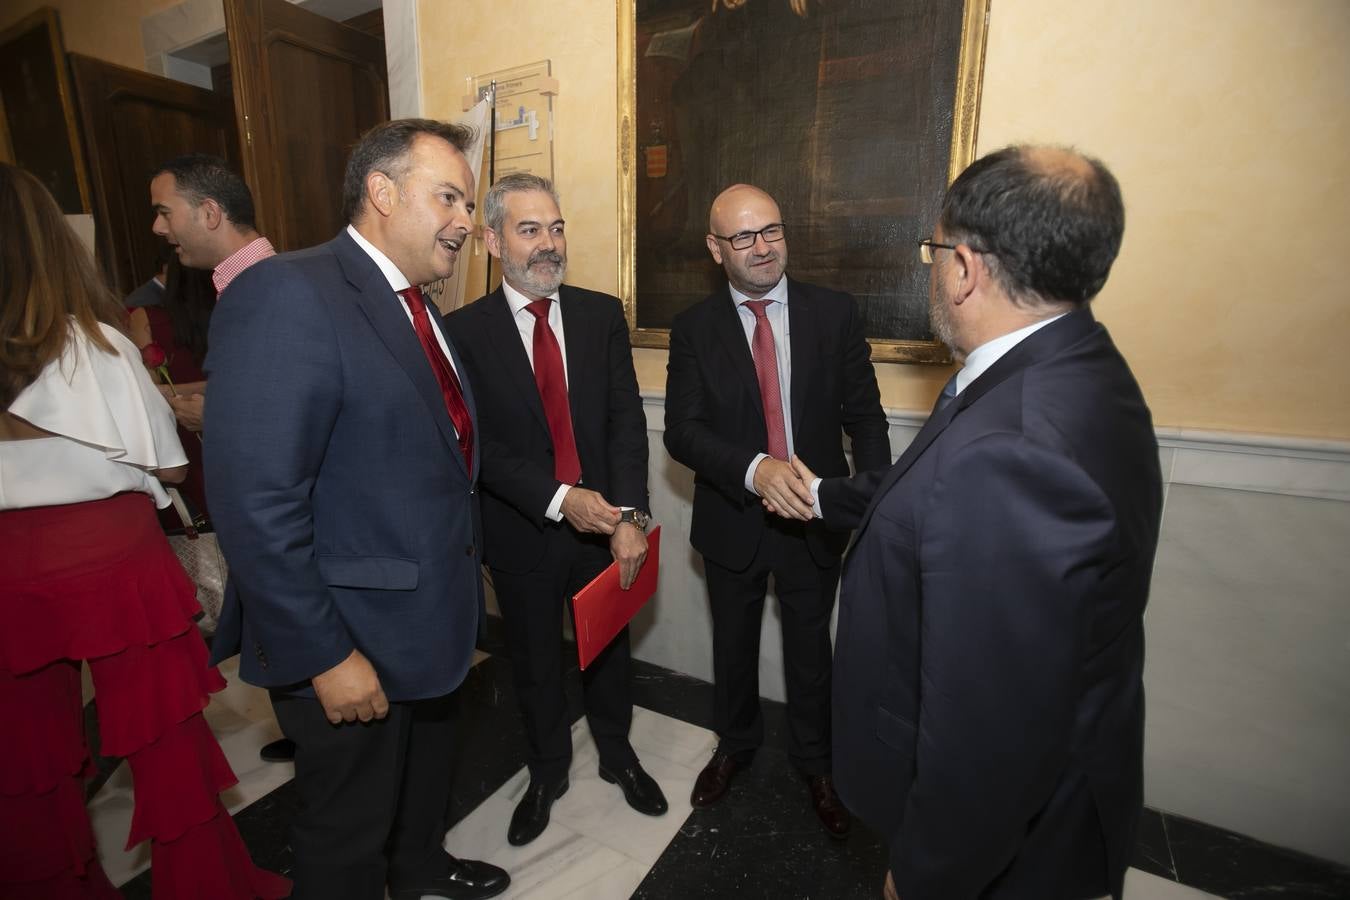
(765, 368)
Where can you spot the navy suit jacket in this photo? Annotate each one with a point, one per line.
(607, 419)
(988, 701)
(715, 413)
(337, 487)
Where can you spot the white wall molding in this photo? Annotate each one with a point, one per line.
(1264, 463)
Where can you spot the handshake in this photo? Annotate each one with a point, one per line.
(785, 488)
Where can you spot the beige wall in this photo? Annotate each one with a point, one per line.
(1226, 121)
(106, 29)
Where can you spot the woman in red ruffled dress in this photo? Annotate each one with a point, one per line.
(86, 574)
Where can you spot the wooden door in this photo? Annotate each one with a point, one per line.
(134, 121)
(39, 130)
(305, 88)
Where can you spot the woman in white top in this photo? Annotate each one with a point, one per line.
(86, 574)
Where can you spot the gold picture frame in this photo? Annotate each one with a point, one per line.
(887, 336)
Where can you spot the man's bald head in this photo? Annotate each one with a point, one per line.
(1047, 220)
(733, 202)
(745, 210)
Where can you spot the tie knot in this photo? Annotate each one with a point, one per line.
(758, 307)
(413, 297)
(539, 308)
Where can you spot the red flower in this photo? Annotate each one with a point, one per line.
(153, 355)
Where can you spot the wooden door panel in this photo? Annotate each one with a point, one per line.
(305, 89)
(133, 121)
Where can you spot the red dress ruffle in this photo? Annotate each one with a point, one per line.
(98, 581)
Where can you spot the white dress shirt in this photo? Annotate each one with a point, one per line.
(525, 324)
(399, 282)
(777, 314)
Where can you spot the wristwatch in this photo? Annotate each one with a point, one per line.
(637, 517)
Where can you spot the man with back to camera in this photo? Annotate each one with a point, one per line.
(764, 368)
(341, 466)
(989, 704)
(564, 484)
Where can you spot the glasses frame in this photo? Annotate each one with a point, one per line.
(926, 248)
(731, 239)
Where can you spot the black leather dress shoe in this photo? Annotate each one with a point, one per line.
(282, 750)
(639, 789)
(714, 780)
(829, 808)
(531, 815)
(468, 879)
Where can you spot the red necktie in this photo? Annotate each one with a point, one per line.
(444, 372)
(766, 370)
(548, 374)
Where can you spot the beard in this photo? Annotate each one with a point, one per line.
(541, 274)
(941, 321)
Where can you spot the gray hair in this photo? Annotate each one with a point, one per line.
(494, 204)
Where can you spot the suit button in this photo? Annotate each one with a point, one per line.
(468, 551)
(262, 657)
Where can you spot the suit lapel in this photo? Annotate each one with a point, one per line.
(508, 348)
(729, 330)
(579, 336)
(801, 333)
(1042, 344)
(382, 308)
(466, 388)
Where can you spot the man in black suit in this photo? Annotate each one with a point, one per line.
(988, 706)
(341, 474)
(762, 369)
(565, 483)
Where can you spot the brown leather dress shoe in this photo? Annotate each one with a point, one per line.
(828, 806)
(714, 780)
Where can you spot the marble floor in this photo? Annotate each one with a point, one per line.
(763, 841)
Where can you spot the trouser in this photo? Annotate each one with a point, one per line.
(532, 606)
(806, 594)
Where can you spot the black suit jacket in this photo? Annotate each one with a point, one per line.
(715, 416)
(607, 418)
(988, 701)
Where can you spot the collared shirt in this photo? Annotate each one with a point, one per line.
(777, 314)
(525, 324)
(988, 353)
(977, 363)
(255, 251)
(399, 282)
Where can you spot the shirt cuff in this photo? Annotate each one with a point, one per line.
(750, 472)
(554, 511)
(815, 498)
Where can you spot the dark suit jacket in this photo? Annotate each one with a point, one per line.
(336, 483)
(988, 702)
(715, 417)
(607, 419)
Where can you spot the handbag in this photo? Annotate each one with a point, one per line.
(199, 553)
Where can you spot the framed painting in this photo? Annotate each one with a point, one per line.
(853, 114)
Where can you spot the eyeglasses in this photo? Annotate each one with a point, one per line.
(743, 240)
(926, 248)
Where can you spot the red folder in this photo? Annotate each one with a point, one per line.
(601, 609)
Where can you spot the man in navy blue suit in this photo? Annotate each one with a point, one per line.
(988, 695)
(342, 461)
